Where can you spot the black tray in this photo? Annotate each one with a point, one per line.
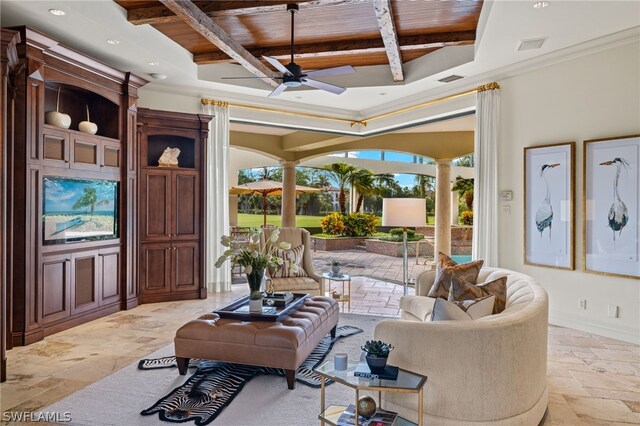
(274, 313)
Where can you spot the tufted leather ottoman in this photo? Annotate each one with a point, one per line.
(285, 344)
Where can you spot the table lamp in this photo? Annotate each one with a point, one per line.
(404, 212)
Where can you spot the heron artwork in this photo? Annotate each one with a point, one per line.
(544, 215)
(618, 213)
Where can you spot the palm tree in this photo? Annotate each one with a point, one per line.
(424, 184)
(342, 173)
(366, 183)
(464, 187)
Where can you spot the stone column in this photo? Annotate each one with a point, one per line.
(443, 207)
(288, 194)
(455, 200)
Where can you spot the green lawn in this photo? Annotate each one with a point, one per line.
(255, 220)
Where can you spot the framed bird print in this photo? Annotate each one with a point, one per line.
(549, 205)
(611, 206)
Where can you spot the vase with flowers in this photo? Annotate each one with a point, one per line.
(255, 260)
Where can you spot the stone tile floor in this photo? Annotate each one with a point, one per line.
(592, 380)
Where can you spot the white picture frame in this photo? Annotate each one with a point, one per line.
(611, 206)
(549, 213)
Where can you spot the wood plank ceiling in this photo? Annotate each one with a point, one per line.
(328, 33)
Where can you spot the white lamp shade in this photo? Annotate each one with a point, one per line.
(404, 212)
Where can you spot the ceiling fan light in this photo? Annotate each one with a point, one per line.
(292, 83)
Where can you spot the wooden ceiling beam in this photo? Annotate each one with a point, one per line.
(348, 47)
(204, 25)
(387, 26)
(213, 9)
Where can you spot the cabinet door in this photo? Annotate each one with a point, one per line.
(56, 279)
(155, 205)
(85, 281)
(186, 266)
(186, 205)
(155, 268)
(55, 148)
(109, 275)
(85, 153)
(110, 156)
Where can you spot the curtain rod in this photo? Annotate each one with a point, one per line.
(484, 87)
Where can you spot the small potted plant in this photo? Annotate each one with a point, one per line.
(377, 354)
(335, 267)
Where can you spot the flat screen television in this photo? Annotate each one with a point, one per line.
(79, 209)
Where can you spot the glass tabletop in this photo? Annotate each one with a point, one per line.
(339, 277)
(406, 380)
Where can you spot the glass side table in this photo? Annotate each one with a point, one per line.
(407, 382)
(328, 277)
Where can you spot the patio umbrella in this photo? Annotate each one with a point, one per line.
(267, 188)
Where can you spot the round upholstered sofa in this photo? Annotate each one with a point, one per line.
(488, 371)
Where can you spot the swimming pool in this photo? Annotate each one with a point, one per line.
(461, 258)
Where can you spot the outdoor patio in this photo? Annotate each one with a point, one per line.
(376, 285)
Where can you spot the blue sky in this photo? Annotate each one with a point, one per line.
(62, 194)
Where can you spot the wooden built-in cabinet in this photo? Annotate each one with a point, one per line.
(56, 285)
(172, 201)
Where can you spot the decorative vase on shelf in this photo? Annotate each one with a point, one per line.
(376, 363)
(335, 268)
(56, 118)
(87, 126)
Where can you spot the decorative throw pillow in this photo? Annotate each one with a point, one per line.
(444, 310)
(293, 255)
(446, 268)
(463, 290)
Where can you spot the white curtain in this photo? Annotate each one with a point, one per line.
(217, 210)
(485, 214)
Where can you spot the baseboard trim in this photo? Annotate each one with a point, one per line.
(625, 333)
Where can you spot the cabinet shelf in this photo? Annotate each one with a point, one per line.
(79, 133)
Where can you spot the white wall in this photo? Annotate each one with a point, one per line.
(589, 97)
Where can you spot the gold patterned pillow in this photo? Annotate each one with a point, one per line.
(463, 290)
(446, 268)
(293, 255)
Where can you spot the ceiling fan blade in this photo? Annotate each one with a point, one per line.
(239, 78)
(324, 86)
(276, 63)
(277, 91)
(346, 69)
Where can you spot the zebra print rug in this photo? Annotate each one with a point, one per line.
(214, 384)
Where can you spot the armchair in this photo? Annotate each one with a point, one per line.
(313, 283)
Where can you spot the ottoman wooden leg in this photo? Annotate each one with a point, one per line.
(333, 331)
(183, 365)
(291, 378)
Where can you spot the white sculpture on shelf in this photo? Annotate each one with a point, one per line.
(169, 157)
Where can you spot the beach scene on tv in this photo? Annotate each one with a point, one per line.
(79, 209)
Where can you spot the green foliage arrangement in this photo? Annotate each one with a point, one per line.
(377, 348)
(359, 224)
(395, 235)
(467, 217)
(332, 224)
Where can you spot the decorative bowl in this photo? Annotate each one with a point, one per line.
(88, 127)
(58, 119)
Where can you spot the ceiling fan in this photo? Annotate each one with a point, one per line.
(294, 76)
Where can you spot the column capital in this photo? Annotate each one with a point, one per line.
(443, 161)
(289, 163)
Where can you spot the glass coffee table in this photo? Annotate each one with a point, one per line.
(407, 382)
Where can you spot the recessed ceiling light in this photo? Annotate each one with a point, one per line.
(540, 4)
(383, 93)
(57, 12)
(534, 43)
(113, 41)
(298, 97)
(157, 76)
(153, 63)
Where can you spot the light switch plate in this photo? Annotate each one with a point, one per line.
(506, 195)
(506, 209)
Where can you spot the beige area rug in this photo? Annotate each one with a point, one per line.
(118, 399)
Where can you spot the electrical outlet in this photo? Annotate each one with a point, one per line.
(613, 311)
(583, 303)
